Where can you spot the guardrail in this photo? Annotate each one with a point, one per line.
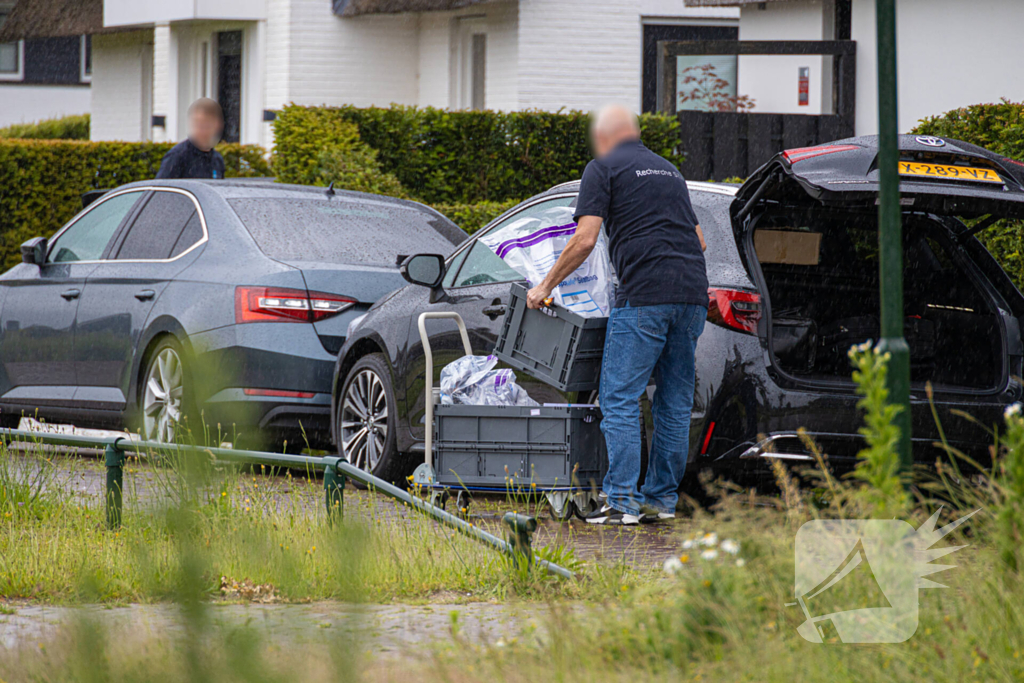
(336, 472)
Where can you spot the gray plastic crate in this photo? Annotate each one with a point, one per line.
(552, 447)
(554, 345)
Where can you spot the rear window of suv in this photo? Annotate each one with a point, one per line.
(343, 231)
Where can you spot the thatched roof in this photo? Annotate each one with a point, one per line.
(726, 3)
(52, 19)
(354, 8)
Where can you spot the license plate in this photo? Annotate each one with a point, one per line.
(943, 172)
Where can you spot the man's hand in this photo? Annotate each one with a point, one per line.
(536, 296)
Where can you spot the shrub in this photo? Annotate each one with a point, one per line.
(472, 217)
(64, 128)
(464, 157)
(998, 127)
(41, 181)
(356, 168)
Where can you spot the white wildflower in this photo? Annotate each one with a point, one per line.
(730, 546)
(1012, 410)
(672, 565)
(740, 562)
(710, 540)
(710, 554)
(688, 544)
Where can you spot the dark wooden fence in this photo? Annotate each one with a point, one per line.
(721, 145)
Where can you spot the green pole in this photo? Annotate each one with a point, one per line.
(890, 228)
(334, 488)
(114, 460)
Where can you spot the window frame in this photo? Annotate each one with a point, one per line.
(18, 75)
(84, 46)
(123, 230)
(463, 250)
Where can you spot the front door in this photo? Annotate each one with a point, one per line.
(121, 291)
(37, 326)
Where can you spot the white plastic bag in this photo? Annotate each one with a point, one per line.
(472, 380)
(532, 245)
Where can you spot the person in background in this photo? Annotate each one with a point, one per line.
(196, 157)
(660, 306)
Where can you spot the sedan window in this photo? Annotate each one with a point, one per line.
(482, 266)
(158, 228)
(87, 238)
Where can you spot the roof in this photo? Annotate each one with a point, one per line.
(354, 8)
(53, 19)
(727, 3)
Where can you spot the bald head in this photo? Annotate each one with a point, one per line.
(613, 123)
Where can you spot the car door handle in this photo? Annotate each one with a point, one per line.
(70, 294)
(493, 312)
(145, 295)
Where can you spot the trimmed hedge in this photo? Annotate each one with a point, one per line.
(444, 157)
(41, 181)
(998, 127)
(64, 128)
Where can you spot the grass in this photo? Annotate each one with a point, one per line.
(709, 616)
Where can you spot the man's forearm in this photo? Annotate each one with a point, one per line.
(572, 257)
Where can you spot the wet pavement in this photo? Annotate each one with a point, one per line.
(395, 630)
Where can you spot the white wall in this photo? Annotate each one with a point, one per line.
(121, 86)
(502, 89)
(31, 103)
(370, 60)
(951, 53)
(435, 53)
(773, 80)
(579, 54)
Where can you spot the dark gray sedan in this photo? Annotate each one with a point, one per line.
(223, 301)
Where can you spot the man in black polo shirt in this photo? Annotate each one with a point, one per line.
(195, 157)
(660, 306)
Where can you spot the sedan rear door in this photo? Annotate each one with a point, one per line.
(164, 238)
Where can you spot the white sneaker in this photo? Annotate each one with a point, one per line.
(612, 517)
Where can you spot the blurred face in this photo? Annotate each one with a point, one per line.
(204, 130)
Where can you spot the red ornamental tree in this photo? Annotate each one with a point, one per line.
(702, 85)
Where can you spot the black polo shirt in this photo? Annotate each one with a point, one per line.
(651, 226)
(185, 160)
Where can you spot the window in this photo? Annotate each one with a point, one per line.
(12, 55)
(471, 72)
(160, 227)
(343, 231)
(483, 266)
(87, 238)
(86, 59)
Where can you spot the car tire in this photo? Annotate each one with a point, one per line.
(365, 421)
(165, 394)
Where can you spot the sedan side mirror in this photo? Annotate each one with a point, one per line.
(34, 251)
(423, 269)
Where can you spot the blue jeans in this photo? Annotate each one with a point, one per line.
(642, 341)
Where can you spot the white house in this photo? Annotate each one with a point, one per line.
(43, 78)
(940, 44)
(152, 58)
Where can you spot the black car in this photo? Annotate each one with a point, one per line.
(792, 260)
(228, 300)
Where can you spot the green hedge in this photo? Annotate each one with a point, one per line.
(64, 128)
(41, 181)
(472, 217)
(998, 127)
(444, 157)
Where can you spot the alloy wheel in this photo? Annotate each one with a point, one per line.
(161, 403)
(364, 420)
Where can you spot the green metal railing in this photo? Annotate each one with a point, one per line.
(336, 472)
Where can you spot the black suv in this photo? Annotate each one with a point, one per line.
(792, 260)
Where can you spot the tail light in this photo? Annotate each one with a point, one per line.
(801, 153)
(734, 308)
(280, 305)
